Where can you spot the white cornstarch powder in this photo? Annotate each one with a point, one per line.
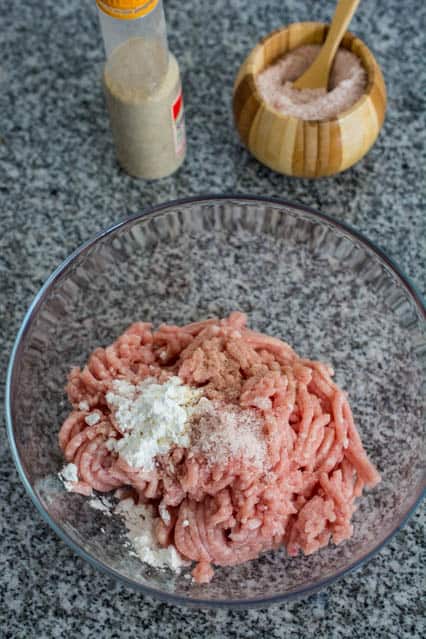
(152, 417)
(103, 504)
(92, 418)
(69, 475)
(139, 521)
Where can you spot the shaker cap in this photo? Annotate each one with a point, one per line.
(126, 9)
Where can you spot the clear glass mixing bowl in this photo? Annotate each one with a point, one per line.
(297, 274)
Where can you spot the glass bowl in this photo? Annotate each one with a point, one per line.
(297, 274)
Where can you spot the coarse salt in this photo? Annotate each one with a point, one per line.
(347, 83)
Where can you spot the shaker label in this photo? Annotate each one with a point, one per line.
(178, 121)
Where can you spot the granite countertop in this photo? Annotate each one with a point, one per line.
(59, 184)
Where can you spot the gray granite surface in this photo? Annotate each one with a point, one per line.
(59, 184)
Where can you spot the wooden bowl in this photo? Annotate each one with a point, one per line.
(306, 148)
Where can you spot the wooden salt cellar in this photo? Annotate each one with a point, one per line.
(302, 148)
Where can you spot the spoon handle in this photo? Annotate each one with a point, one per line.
(342, 16)
(316, 76)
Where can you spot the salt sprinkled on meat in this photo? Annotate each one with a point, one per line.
(225, 431)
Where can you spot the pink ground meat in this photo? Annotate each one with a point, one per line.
(224, 500)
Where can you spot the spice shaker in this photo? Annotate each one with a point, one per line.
(142, 87)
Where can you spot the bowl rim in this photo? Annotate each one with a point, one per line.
(149, 213)
(371, 74)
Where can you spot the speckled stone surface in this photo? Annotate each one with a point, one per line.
(59, 184)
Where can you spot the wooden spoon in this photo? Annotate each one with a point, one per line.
(316, 76)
